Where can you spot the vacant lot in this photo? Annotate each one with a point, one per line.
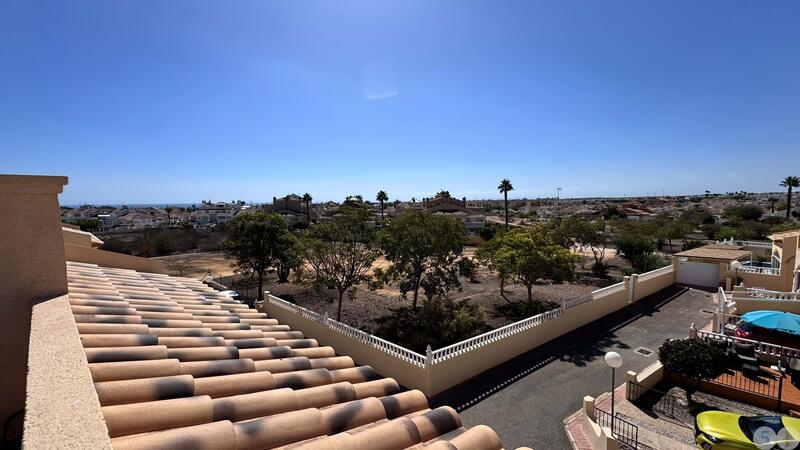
(197, 265)
(367, 306)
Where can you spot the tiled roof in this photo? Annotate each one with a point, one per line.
(715, 252)
(175, 364)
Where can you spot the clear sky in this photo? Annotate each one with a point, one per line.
(176, 101)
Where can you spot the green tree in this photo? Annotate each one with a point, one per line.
(307, 198)
(696, 216)
(744, 212)
(772, 201)
(634, 242)
(530, 256)
(422, 249)
(693, 360)
(789, 183)
(341, 252)
(505, 187)
(257, 241)
(438, 322)
(381, 198)
(88, 224)
(674, 230)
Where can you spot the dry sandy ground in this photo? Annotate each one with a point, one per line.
(368, 306)
(197, 265)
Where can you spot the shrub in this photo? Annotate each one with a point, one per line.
(600, 269)
(744, 212)
(688, 245)
(692, 360)
(438, 322)
(116, 245)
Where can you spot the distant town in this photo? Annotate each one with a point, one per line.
(298, 210)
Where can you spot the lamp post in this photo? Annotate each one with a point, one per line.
(735, 266)
(614, 360)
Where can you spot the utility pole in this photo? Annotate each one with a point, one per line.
(558, 201)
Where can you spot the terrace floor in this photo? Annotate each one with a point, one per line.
(527, 399)
(767, 384)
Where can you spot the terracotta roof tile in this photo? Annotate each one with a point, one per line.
(177, 364)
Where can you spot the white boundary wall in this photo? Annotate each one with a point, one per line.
(441, 369)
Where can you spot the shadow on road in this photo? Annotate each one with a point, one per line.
(578, 347)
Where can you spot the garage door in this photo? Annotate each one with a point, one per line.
(698, 274)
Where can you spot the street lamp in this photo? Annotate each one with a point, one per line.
(614, 360)
(736, 265)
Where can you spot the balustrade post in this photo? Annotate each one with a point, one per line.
(428, 356)
(325, 319)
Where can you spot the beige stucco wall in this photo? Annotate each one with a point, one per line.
(404, 372)
(442, 375)
(76, 237)
(62, 409)
(745, 305)
(79, 253)
(32, 269)
(784, 282)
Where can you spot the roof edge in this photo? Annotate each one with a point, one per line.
(32, 184)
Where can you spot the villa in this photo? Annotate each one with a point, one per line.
(112, 353)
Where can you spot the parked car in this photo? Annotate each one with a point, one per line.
(719, 430)
(748, 331)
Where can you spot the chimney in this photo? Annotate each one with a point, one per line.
(32, 270)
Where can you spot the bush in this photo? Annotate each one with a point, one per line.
(688, 245)
(646, 263)
(516, 311)
(744, 212)
(692, 360)
(600, 269)
(116, 245)
(711, 230)
(437, 322)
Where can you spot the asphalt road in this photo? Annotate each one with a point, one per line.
(551, 381)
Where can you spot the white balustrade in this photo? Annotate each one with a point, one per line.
(467, 345)
(762, 347)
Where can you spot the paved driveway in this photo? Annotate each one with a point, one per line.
(526, 399)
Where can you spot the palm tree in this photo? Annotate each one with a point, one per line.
(772, 201)
(382, 197)
(504, 187)
(789, 183)
(307, 198)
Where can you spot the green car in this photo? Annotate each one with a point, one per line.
(720, 430)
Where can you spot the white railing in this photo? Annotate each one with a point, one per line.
(751, 269)
(656, 273)
(761, 347)
(442, 354)
(754, 244)
(492, 336)
(378, 343)
(763, 294)
(361, 336)
(608, 290)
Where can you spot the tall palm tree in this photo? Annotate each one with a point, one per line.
(307, 198)
(789, 183)
(382, 197)
(504, 187)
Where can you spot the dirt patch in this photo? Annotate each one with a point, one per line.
(367, 306)
(197, 265)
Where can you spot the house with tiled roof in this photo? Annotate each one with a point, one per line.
(110, 357)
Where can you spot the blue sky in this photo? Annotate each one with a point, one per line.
(177, 101)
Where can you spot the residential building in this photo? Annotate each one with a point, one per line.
(443, 203)
(291, 208)
(212, 213)
(102, 357)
